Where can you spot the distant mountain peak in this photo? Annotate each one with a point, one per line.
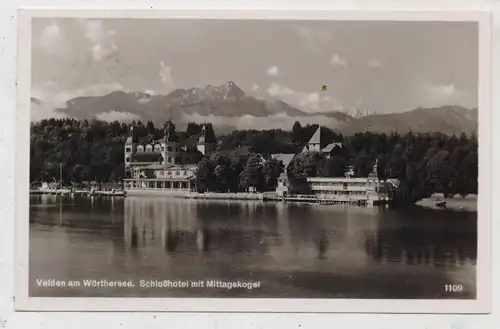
(358, 113)
(228, 91)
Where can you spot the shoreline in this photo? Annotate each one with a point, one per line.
(225, 196)
(467, 204)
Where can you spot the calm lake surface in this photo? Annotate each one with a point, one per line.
(292, 250)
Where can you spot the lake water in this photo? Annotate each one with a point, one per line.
(285, 250)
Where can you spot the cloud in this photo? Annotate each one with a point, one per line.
(166, 77)
(337, 61)
(51, 40)
(442, 90)
(144, 100)
(278, 121)
(52, 94)
(117, 116)
(40, 111)
(151, 92)
(272, 71)
(309, 102)
(102, 43)
(445, 94)
(375, 63)
(310, 34)
(255, 87)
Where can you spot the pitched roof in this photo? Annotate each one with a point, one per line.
(149, 156)
(207, 134)
(192, 140)
(284, 158)
(316, 138)
(155, 166)
(331, 146)
(170, 135)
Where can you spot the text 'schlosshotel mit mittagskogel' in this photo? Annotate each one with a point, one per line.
(236, 284)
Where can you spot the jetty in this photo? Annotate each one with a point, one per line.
(70, 192)
(224, 196)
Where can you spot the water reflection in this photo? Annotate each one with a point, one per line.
(298, 250)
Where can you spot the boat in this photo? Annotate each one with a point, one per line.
(441, 204)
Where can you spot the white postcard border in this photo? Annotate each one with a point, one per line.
(483, 278)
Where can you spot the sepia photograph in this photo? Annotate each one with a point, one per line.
(266, 162)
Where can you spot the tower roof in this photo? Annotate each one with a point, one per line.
(170, 134)
(316, 138)
(132, 137)
(207, 134)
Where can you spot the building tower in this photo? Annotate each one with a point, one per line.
(206, 141)
(171, 148)
(130, 147)
(315, 142)
(372, 182)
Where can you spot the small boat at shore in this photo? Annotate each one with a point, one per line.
(441, 204)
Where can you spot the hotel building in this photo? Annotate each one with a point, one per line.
(349, 189)
(369, 190)
(166, 165)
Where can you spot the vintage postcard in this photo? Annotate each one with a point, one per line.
(265, 161)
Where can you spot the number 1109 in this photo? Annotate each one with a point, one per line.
(453, 288)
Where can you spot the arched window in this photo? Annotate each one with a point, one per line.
(149, 148)
(140, 148)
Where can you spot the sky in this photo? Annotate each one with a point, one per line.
(379, 66)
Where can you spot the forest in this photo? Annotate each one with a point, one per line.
(81, 150)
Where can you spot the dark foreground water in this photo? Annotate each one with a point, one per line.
(283, 250)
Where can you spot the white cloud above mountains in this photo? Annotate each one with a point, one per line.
(272, 71)
(166, 78)
(101, 40)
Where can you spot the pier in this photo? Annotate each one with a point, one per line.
(78, 192)
(224, 196)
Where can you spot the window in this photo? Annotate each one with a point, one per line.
(157, 148)
(185, 172)
(177, 173)
(149, 148)
(140, 148)
(177, 160)
(169, 173)
(128, 149)
(169, 148)
(127, 159)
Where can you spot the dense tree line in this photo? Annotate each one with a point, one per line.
(82, 150)
(424, 163)
(234, 172)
